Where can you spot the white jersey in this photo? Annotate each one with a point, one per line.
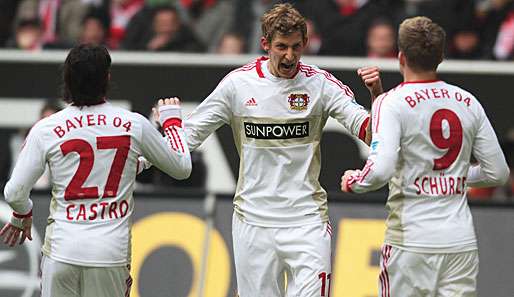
(277, 126)
(423, 136)
(92, 153)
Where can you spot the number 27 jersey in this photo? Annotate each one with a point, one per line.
(92, 153)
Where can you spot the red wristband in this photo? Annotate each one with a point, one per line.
(22, 216)
(172, 122)
(362, 130)
(349, 183)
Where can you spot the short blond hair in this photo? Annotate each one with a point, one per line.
(283, 19)
(422, 42)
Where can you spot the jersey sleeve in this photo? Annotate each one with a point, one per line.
(385, 146)
(211, 114)
(28, 169)
(169, 153)
(492, 169)
(342, 106)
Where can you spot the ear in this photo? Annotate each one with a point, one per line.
(401, 58)
(265, 44)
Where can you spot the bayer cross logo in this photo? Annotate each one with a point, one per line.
(298, 102)
(19, 266)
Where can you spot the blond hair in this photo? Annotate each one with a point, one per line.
(283, 19)
(422, 42)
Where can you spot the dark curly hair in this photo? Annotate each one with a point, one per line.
(86, 75)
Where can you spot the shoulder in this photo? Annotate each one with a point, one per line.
(460, 92)
(135, 117)
(50, 121)
(323, 77)
(252, 69)
(392, 96)
(113, 112)
(389, 100)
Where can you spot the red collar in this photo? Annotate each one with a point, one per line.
(258, 67)
(420, 81)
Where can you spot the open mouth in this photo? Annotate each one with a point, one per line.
(287, 66)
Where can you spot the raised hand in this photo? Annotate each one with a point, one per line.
(162, 104)
(371, 78)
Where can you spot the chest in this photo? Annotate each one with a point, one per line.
(283, 99)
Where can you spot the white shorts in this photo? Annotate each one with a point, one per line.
(409, 274)
(264, 255)
(60, 279)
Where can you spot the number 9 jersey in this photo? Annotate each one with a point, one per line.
(92, 154)
(424, 134)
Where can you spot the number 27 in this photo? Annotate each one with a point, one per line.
(74, 190)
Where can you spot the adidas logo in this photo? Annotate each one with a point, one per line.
(251, 102)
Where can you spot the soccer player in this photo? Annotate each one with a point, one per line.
(424, 133)
(277, 107)
(92, 150)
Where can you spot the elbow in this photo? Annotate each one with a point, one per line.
(500, 177)
(383, 174)
(15, 194)
(9, 197)
(503, 177)
(185, 172)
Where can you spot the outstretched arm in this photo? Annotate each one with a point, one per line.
(384, 153)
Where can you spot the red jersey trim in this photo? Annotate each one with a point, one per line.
(258, 66)
(362, 131)
(247, 67)
(172, 122)
(22, 216)
(379, 107)
(366, 170)
(384, 274)
(420, 81)
(349, 183)
(310, 71)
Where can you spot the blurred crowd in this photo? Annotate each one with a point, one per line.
(477, 29)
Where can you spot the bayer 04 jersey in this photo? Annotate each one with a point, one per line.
(92, 154)
(277, 126)
(423, 136)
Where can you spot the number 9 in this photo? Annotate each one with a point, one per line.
(454, 141)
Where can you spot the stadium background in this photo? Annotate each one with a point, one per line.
(170, 220)
(170, 243)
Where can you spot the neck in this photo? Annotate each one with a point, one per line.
(272, 69)
(409, 75)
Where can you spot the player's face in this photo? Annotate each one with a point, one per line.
(284, 53)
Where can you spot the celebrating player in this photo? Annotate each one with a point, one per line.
(277, 107)
(424, 133)
(92, 150)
